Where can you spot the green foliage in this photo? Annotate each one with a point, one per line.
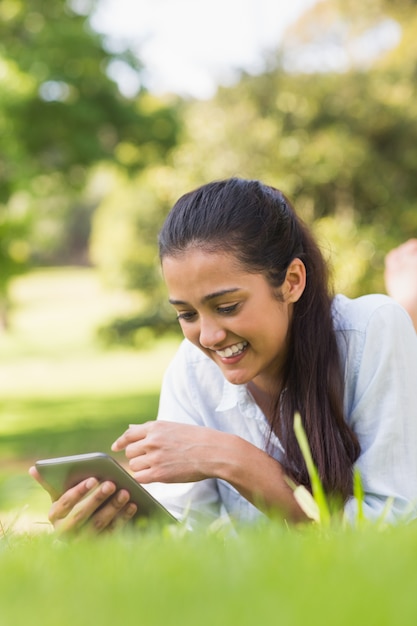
(60, 114)
(13, 247)
(124, 248)
(67, 113)
(342, 145)
(140, 329)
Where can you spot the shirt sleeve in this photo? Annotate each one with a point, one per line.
(383, 413)
(195, 502)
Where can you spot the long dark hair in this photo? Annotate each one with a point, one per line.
(258, 225)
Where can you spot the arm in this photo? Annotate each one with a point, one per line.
(170, 452)
(201, 436)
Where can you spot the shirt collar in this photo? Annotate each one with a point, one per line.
(237, 395)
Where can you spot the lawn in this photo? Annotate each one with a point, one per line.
(266, 575)
(61, 393)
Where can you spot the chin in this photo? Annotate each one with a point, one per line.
(237, 378)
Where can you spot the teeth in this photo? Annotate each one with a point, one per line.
(233, 350)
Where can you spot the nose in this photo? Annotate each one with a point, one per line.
(211, 333)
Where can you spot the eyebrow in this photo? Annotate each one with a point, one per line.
(209, 296)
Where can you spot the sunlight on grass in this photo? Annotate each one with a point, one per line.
(55, 311)
(267, 575)
(51, 347)
(97, 373)
(61, 392)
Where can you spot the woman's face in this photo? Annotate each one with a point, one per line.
(235, 317)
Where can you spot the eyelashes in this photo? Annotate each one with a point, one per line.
(186, 316)
(189, 316)
(227, 309)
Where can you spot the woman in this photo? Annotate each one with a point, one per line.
(264, 339)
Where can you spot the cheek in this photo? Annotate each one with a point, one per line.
(279, 336)
(275, 332)
(190, 332)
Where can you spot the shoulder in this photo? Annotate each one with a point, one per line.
(363, 313)
(372, 330)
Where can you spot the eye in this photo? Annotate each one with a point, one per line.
(187, 316)
(227, 310)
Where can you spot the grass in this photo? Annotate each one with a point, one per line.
(267, 575)
(60, 391)
(59, 426)
(60, 396)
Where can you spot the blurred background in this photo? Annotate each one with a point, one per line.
(109, 111)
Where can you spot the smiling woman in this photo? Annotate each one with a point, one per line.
(264, 340)
(234, 316)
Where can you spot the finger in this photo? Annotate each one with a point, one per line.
(139, 463)
(35, 474)
(146, 475)
(117, 511)
(135, 432)
(136, 449)
(77, 505)
(123, 518)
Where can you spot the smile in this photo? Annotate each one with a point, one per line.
(234, 350)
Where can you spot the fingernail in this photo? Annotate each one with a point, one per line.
(122, 497)
(91, 482)
(131, 509)
(107, 489)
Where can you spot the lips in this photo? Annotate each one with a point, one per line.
(234, 350)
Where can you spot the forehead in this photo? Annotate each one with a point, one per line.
(197, 272)
(201, 261)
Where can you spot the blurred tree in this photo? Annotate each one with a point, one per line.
(123, 246)
(13, 254)
(331, 122)
(60, 113)
(367, 115)
(336, 130)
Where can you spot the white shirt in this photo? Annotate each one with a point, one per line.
(378, 347)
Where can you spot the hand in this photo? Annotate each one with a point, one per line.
(168, 452)
(90, 505)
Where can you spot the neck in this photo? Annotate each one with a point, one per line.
(264, 398)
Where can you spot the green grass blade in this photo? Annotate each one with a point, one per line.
(359, 496)
(316, 485)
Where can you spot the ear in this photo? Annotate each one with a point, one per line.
(295, 281)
